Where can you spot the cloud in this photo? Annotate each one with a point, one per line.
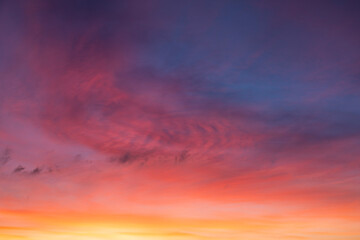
(18, 169)
(183, 156)
(5, 156)
(256, 102)
(36, 171)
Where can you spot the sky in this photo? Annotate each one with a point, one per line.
(179, 120)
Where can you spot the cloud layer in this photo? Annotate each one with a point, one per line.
(227, 110)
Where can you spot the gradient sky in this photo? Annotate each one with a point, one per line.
(179, 120)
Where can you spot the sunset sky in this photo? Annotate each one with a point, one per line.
(179, 120)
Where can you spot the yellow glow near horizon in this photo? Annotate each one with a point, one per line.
(34, 226)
